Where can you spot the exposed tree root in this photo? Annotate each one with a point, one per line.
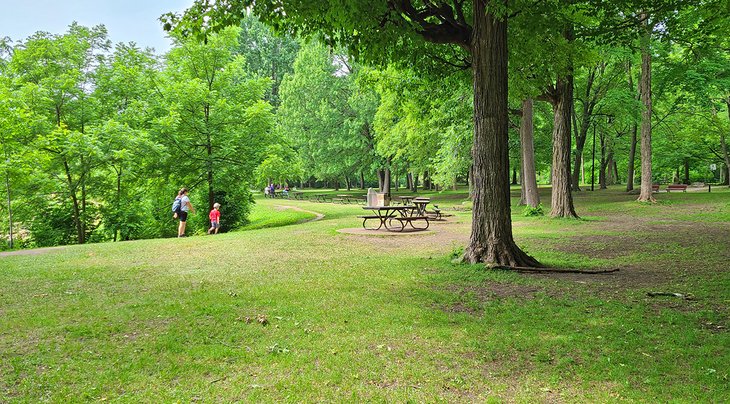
(688, 296)
(555, 270)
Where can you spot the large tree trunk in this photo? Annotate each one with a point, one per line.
(686, 171)
(529, 176)
(491, 240)
(362, 180)
(645, 90)
(562, 199)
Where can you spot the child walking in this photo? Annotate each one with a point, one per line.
(215, 218)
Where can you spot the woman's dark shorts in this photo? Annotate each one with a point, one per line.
(183, 216)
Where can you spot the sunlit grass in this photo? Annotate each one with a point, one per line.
(365, 319)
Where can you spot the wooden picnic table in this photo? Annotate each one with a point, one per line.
(385, 215)
(296, 195)
(406, 200)
(320, 197)
(420, 204)
(347, 198)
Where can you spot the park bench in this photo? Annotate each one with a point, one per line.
(676, 187)
(655, 188)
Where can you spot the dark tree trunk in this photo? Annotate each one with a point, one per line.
(616, 178)
(529, 175)
(381, 179)
(347, 182)
(414, 188)
(632, 147)
(581, 134)
(686, 171)
(491, 240)
(470, 182)
(386, 185)
(645, 90)
(80, 235)
(723, 142)
(604, 163)
(632, 159)
(362, 180)
(514, 176)
(409, 180)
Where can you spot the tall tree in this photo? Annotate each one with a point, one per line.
(215, 121)
(396, 30)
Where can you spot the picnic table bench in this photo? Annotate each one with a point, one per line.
(677, 187)
(405, 215)
(320, 197)
(296, 195)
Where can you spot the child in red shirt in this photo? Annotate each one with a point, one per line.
(215, 218)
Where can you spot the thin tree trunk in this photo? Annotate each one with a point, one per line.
(723, 142)
(10, 208)
(514, 176)
(632, 147)
(491, 240)
(646, 194)
(362, 180)
(523, 197)
(527, 136)
(604, 162)
(470, 180)
(76, 208)
(686, 171)
(632, 159)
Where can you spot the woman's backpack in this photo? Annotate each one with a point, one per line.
(177, 205)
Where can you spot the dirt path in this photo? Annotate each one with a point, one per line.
(34, 251)
(319, 216)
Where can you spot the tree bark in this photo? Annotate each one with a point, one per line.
(632, 147)
(362, 180)
(646, 194)
(723, 142)
(10, 207)
(491, 240)
(686, 171)
(76, 209)
(604, 162)
(562, 101)
(527, 136)
(562, 198)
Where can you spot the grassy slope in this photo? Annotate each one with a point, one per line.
(375, 319)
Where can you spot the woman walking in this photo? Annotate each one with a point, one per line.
(185, 207)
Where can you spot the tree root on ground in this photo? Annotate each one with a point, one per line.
(555, 270)
(688, 296)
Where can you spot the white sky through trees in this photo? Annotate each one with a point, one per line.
(125, 20)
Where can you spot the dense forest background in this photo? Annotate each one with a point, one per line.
(97, 138)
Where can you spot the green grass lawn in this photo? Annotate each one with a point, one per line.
(353, 318)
